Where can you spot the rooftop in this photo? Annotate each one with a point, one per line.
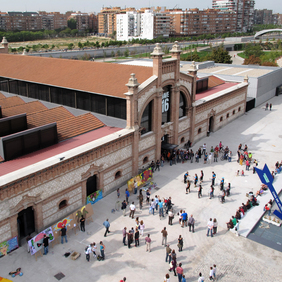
(86, 76)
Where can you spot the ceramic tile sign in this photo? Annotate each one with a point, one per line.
(36, 243)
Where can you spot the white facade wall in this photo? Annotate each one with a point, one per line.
(147, 25)
(128, 26)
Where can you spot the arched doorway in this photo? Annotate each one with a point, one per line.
(211, 124)
(26, 223)
(91, 185)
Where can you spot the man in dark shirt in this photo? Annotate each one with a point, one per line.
(82, 223)
(46, 244)
(64, 234)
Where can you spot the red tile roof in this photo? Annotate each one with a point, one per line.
(215, 90)
(2, 96)
(41, 155)
(27, 108)
(214, 81)
(102, 78)
(77, 125)
(10, 102)
(48, 116)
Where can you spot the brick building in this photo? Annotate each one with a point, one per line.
(161, 105)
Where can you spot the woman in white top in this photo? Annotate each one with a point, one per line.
(166, 278)
(142, 227)
(180, 216)
(94, 248)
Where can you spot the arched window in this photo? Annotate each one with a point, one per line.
(118, 174)
(62, 204)
(233, 112)
(166, 104)
(145, 160)
(146, 120)
(182, 140)
(227, 116)
(182, 105)
(199, 130)
(239, 109)
(221, 119)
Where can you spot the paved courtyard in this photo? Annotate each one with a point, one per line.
(237, 258)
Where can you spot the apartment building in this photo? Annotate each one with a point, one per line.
(243, 8)
(82, 20)
(161, 24)
(263, 17)
(194, 22)
(93, 22)
(107, 20)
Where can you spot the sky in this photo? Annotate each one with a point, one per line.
(96, 5)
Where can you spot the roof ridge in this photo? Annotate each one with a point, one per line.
(47, 109)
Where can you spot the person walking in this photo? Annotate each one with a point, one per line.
(157, 202)
(191, 223)
(153, 206)
(141, 227)
(168, 253)
(127, 194)
(237, 228)
(140, 197)
(201, 177)
(132, 210)
(107, 226)
(46, 244)
(183, 278)
(124, 233)
(210, 227)
(266, 106)
(82, 223)
(200, 191)
(214, 272)
(166, 278)
(211, 273)
(173, 265)
(179, 271)
(136, 237)
(213, 178)
(135, 187)
(270, 106)
(164, 236)
(180, 243)
(123, 207)
(64, 234)
(211, 191)
(170, 217)
(102, 250)
(201, 278)
(148, 243)
(188, 187)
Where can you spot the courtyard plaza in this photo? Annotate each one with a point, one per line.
(236, 258)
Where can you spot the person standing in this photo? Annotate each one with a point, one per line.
(179, 271)
(124, 236)
(213, 178)
(214, 226)
(157, 202)
(188, 187)
(64, 234)
(127, 194)
(180, 243)
(148, 243)
(135, 187)
(184, 219)
(247, 165)
(123, 207)
(153, 206)
(148, 194)
(191, 223)
(266, 106)
(107, 226)
(46, 244)
(211, 191)
(201, 278)
(27, 239)
(102, 250)
(164, 236)
(195, 180)
(88, 252)
(118, 193)
(170, 217)
(200, 191)
(141, 227)
(168, 253)
(211, 273)
(140, 197)
(214, 272)
(158, 165)
(166, 278)
(136, 237)
(82, 223)
(237, 227)
(94, 248)
(201, 177)
(132, 210)
(130, 238)
(183, 278)
(210, 227)
(270, 106)
(161, 209)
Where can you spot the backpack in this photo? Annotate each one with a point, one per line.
(99, 258)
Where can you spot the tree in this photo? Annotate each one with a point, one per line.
(70, 46)
(220, 55)
(72, 23)
(126, 53)
(253, 49)
(252, 60)
(195, 56)
(80, 45)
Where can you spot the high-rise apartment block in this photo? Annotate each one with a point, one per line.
(82, 20)
(244, 10)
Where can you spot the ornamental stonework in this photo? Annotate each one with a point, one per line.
(168, 76)
(187, 84)
(142, 100)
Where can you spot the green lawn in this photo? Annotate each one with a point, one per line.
(242, 55)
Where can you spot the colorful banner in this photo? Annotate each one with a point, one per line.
(94, 197)
(67, 221)
(141, 179)
(8, 246)
(36, 243)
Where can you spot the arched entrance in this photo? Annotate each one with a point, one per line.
(91, 185)
(211, 124)
(26, 223)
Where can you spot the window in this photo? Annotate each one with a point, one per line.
(182, 140)
(227, 116)
(118, 174)
(199, 130)
(221, 119)
(146, 120)
(239, 109)
(62, 204)
(182, 105)
(145, 160)
(233, 112)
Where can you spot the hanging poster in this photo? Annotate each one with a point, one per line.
(8, 246)
(66, 221)
(141, 179)
(94, 197)
(36, 243)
